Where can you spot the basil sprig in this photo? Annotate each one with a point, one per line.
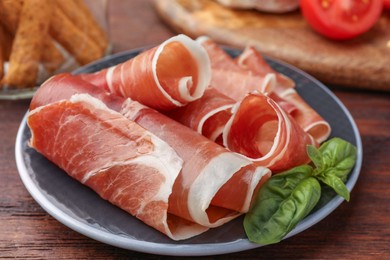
(286, 198)
(334, 160)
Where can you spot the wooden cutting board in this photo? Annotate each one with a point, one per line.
(363, 62)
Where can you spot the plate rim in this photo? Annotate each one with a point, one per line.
(201, 249)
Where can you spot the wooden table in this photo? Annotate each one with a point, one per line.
(359, 229)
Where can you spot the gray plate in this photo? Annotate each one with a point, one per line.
(82, 210)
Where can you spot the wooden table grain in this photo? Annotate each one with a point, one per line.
(359, 229)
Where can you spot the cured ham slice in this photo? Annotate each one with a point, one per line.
(250, 59)
(272, 138)
(311, 122)
(214, 185)
(302, 112)
(229, 78)
(237, 84)
(207, 115)
(237, 77)
(219, 59)
(64, 86)
(257, 127)
(118, 159)
(167, 76)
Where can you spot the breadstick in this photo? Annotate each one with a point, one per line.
(10, 13)
(2, 51)
(10, 10)
(51, 58)
(73, 39)
(81, 16)
(6, 43)
(5, 48)
(27, 46)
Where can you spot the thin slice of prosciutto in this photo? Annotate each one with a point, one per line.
(272, 137)
(252, 60)
(278, 144)
(207, 115)
(256, 127)
(237, 77)
(213, 186)
(229, 78)
(165, 77)
(118, 159)
(302, 112)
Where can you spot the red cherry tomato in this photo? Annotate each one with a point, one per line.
(386, 4)
(341, 19)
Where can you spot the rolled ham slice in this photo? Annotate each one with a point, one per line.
(118, 159)
(214, 185)
(207, 115)
(229, 78)
(237, 77)
(165, 77)
(252, 60)
(256, 127)
(303, 113)
(272, 138)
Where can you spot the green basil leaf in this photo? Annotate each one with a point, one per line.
(315, 155)
(284, 200)
(337, 184)
(327, 194)
(337, 158)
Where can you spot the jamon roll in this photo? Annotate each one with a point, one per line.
(250, 72)
(256, 127)
(207, 115)
(170, 75)
(272, 138)
(118, 159)
(251, 60)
